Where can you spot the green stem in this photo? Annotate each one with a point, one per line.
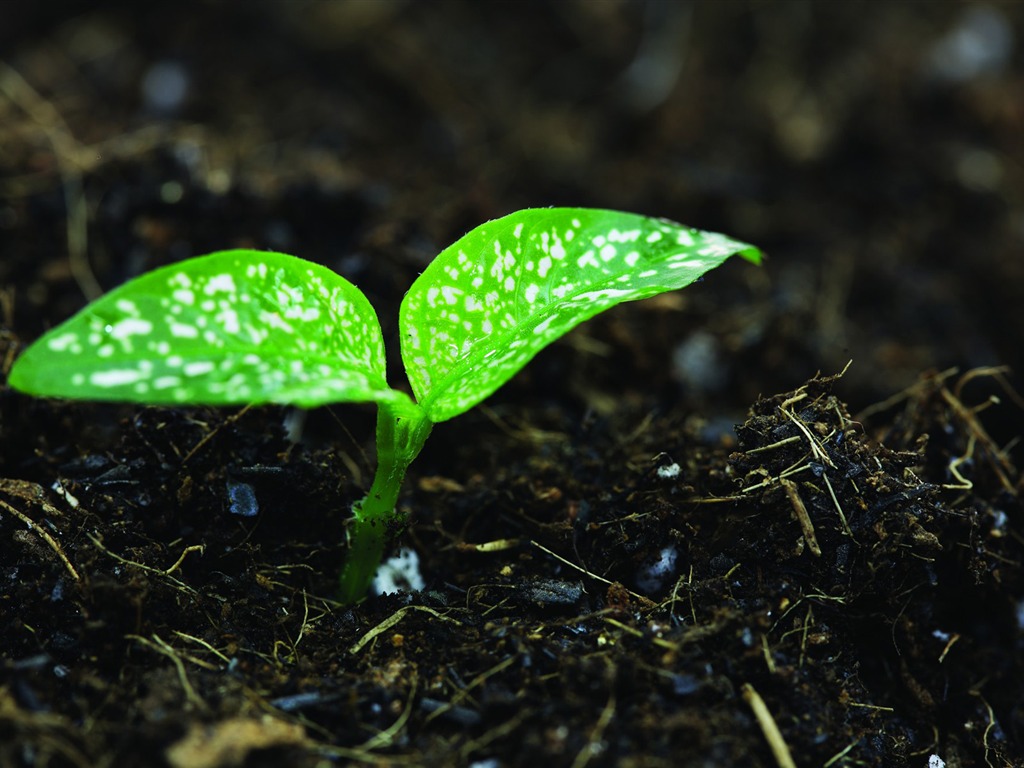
(402, 429)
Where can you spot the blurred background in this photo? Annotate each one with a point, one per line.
(872, 149)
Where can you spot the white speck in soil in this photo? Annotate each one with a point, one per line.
(669, 472)
(653, 576)
(400, 573)
(242, 498)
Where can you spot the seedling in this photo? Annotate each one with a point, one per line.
(250, 327)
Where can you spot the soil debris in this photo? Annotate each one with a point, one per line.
(614, 572)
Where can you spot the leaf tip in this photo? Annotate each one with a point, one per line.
(752, 254)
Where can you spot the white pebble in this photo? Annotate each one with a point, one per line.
(655, 575)
(400, 573)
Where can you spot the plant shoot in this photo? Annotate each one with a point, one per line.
(251, 327)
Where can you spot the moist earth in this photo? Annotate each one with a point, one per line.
(773, 519)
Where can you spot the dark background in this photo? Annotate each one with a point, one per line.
(872, 149)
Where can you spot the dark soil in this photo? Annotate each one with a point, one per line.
(844, 565)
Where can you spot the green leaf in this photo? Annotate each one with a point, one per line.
(233, 327)
(492, 300)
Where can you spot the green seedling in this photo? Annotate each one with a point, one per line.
(251, 327)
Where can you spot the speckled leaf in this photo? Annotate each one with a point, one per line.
(492, 300)
(232, 327)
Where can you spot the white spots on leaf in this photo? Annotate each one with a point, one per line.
(198, 368)
(450, 294)
(115, 377)
(166, 382)
(287, 295)
(218, 337)
(603, 293)
(689, 263)
(307, 314)
(274, 322)
(716, 251)
(526, 282)
(223, 283)
(127, 307)
(213, 339)
(130, 326)
(627, 236)
(542, 327)
(180, 280)
(183, 331)
(258, 270)
(184, 296)
(563, 290)
(63, 342)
